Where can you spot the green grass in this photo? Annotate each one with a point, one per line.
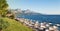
(15, 26)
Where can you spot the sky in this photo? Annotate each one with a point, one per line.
(40, 6)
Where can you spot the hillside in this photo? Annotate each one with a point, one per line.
(15, 26)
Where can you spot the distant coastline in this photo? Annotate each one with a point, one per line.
(41, 18)
(36, 25)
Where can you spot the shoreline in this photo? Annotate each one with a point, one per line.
(38, 26)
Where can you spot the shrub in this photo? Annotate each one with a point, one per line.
(3, 24)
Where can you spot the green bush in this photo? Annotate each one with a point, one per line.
(3, 24)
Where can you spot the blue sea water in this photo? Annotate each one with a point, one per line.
(55, 19)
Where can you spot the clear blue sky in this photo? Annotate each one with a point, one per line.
(41, 6)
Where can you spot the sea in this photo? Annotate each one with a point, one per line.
(55, 19)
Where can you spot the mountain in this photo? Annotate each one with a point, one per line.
(19, 11)
(40, 17)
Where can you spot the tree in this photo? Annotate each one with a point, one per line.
(3, 7)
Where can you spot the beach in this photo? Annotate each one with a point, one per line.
(36, 26)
